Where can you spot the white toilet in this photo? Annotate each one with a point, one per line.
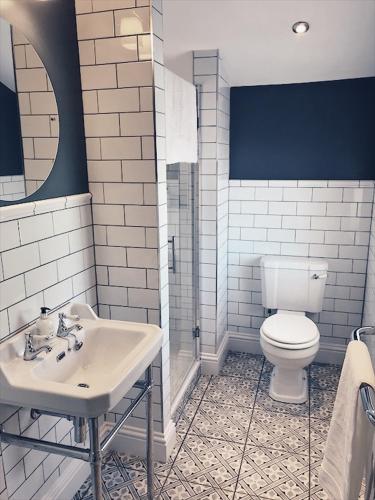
(290, 340)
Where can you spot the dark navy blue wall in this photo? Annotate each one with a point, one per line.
(322, 130)
(51, 29)
(11, 156)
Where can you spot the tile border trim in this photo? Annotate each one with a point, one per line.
(20, 210)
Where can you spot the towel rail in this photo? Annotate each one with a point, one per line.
(366, 391)
(362, 330)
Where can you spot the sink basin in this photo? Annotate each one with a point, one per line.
(113, 357)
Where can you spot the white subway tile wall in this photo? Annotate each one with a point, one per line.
(161, 235)
(126, 178)
(214, 173)
(122, 171)
(12, 187)
(45, 259)
(369, 309)
(223, 111)
(324, 219)
(38, 113)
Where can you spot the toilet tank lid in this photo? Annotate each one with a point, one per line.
(282, 262)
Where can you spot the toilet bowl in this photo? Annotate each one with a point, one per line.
(290, 341)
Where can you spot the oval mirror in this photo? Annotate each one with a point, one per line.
(29, 121)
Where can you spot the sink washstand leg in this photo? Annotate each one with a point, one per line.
(150, 436)
(95, 459)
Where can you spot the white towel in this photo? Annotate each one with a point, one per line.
(180, 120)
(350, 434)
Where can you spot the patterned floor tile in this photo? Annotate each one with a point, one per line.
(199, 389)
(316, 490)
(220, 421)
(136, 488)
(288, 433)
(187, 416)
(111, 477)
(324, 376)
(273, 474)
(243, 365)
(160, 469)
(241, 495)
(209, 462)
(263, 402)
(182, 490)
(318, 437)
(232, 391)
(266, 370)
(321, 403)
(235, 442)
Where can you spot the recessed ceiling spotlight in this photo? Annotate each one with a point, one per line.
(300, 27)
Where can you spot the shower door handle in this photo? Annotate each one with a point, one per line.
(173, 266)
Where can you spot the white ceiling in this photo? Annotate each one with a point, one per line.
(258, 46)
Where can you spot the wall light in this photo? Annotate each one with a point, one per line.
(300, 27)
(131, 24)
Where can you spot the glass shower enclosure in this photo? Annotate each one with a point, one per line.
(182, 202)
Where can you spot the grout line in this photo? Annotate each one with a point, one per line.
(248, 430)
(201, 399)
(185, 435)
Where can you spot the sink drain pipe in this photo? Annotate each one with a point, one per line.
(79, 423)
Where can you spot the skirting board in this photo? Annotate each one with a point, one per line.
(211, 364)
(132, 441)
(185, 386)
(249, 342)
(67, 485)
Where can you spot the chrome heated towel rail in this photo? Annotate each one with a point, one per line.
(367, 393)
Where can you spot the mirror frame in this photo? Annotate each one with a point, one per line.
(51, 28)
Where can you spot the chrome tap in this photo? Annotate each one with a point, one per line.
(30, 352)
(64, 331)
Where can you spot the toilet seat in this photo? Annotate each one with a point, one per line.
(290, 331)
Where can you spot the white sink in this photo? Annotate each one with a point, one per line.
(113, 357)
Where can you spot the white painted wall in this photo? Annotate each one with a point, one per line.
(258, 46)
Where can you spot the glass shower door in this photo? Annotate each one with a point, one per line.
(183, 289)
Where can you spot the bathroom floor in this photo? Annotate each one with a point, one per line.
(235, 442)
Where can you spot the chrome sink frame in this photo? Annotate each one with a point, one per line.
(93, 454)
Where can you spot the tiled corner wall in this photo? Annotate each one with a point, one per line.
(118, 114)
(324, 219)
(38, 113)
(125, 177)
(47, 258)
(214, 171)
(161, 164)
(12, 187)
(369, 309)
(222, 131)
